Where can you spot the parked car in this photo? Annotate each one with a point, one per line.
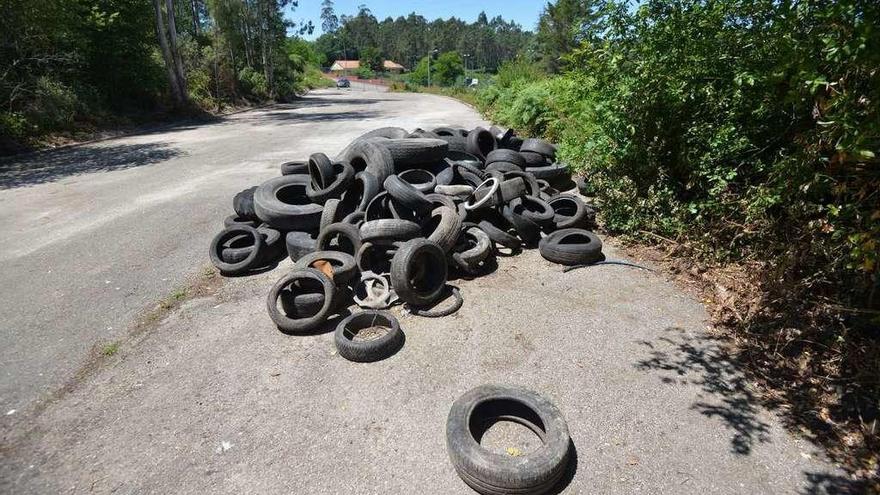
(343, 83)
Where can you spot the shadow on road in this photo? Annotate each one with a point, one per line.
(58, 164)
(826, 484)
(293, 117)
(701, 361)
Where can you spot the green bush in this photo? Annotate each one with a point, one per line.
(53, 106)
(253, 83)
(366, 73)
(313, 78)
(730, 124)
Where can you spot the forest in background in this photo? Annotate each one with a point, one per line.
(483, 44)
(71, 65)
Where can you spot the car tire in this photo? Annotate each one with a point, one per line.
(296, 326)
(344, 265)
(366, 155)
(366, 351)
(494, 474)
(571, 247)
(348, 238)
(419, 272)
(243, 204)
(299, 244)
(215, 251)
(282, 203)
(443, 226)
(389, 230)
(480, 142)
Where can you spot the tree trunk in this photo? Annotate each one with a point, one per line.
(194, 5)
(268, 66)
(248, 48)
(175, 50)
(166, 54)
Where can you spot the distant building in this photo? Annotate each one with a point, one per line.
(346, 66)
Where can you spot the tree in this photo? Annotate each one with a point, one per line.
(177, 92)
(329, 20)
(447, 69)
(563, 26)
(174, 47)
(371, 59)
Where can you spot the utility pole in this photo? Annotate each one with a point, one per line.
(431, 57)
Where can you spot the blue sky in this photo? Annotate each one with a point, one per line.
(525, 12)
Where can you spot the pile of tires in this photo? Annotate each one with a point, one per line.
(392, 217)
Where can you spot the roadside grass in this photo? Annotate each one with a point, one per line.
(465, 95)
(110, 349)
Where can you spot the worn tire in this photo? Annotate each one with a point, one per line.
(366, 351)
(243, 204)
(336, 184)
(568, 211)
(321, 170)
(250, 262)
(363, 189)
(232, 220)
(535, 209)
(495, 474)
(296, 167)
(471, 256)
(282, 203)
(407, 195)
(419, 272)
(534, 159)
(443, 227)
(499, 236)
(366, 155)
(549, 172)
(299, 244)
(506, 156)
(389, 230)
(571, 247)
(348, 235)
(529, 231)
(273, 248)
(413, 151)
(344, 265)
(375, 258)
(304, 305)
(539, 146)
(420, 179)
(480, 142)
(503, 167)
(301, 325)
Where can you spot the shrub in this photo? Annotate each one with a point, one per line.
(53, 106)
(253, 83)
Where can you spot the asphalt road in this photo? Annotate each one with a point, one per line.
(211, 398)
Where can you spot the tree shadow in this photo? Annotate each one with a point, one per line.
(701, 361)
(54, 165)
(828, 484)
(283, 117)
